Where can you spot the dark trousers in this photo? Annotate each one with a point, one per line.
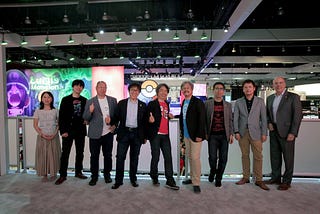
(106, 143)
(66, 148)
(131, 139)
(161, 142)
(281, 147)
(218, 153)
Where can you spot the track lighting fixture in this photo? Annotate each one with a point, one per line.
(190, 14)
(71, 40)
(3, 42)
(233, 50)
(94, 38)
(27, 21)
(146, 14)
(117, 37)
(104, 16)
(204, 35)
(65, 18)
(176, 36)
(23, 41)
(148, 37)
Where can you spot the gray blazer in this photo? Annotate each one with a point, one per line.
(95, 118)
(227, 115)
(255, 121)
(289, 113)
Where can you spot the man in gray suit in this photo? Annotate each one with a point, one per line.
(219, 132)
(284, 114)
(250, 127)
(100, 113)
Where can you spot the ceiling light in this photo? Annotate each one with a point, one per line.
(3, 42)
(104, 16)
(71, 59)
(121, 57)
(233, 50)
(167, 29)
(48, 41)
(280, 11)
(309, 49)
(94, 38)
(134, 30)
(89, 58)
(23, 60)
(195, 28)
(283, 49)
(23, 41)
(27, 21)
(8, 61)
(226, 28)
(138, 55)
(71, 40)
(149, 37)
(159, 29)
(105, 57)
(176, 36)
(258, 50)
(204, 35)
(146, 15)
(190, 14)
(117, 37)
(65, 18)
(55, 59)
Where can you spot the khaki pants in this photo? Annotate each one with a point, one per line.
(256, 147)
(193, 150)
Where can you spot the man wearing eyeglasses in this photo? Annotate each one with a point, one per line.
(219, 129)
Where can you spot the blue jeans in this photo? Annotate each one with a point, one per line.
(131, 139)
(161, 142)
(218, 152)
(106, 142)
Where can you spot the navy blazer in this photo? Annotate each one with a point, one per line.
(121, 116)
(196, 120)
(95, 118)
(289, 113)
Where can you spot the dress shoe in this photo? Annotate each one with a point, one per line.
(262, 185)
(172, 185)
(80, 175)
(284, 186)
(243, 181)
(186, 182)
(155, 182)
(107, 180)
(196, 189)
(93, 181)
(60, 180)
(134, 183)
(211, 178)
(217, 183)
(116, 186)
(272, 181)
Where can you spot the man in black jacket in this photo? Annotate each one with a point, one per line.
(131, 117)
(72, 127)
(192, 123)
(158, 114)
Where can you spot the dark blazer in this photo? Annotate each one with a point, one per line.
(195, 117)
(289, 113)
(121, 116)
(66, 115)
(227, 116)
(153, 128)
(96, 119)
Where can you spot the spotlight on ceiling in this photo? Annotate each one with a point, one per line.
(117, 37)
(233, 50)
(27, 21)
(65, 18)
(23, 41)
(148, 37)
(226, 28)
(94, 38)
(190, 14)
(146, 14)
(104, 16)
(47, 41)
(176, 36)
(71, 40)
(204, 35)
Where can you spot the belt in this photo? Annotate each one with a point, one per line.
(131, 129)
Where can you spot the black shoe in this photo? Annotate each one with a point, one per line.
(186, 182)
(60, 180)
(93, 181)
(155, 181)
(217, 183)
(211, 178)
(80, 175)
(134, 183)
(196, 189)
(172, 185)
(116, 186)
(107, 180)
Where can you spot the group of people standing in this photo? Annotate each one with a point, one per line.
(134, 123)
